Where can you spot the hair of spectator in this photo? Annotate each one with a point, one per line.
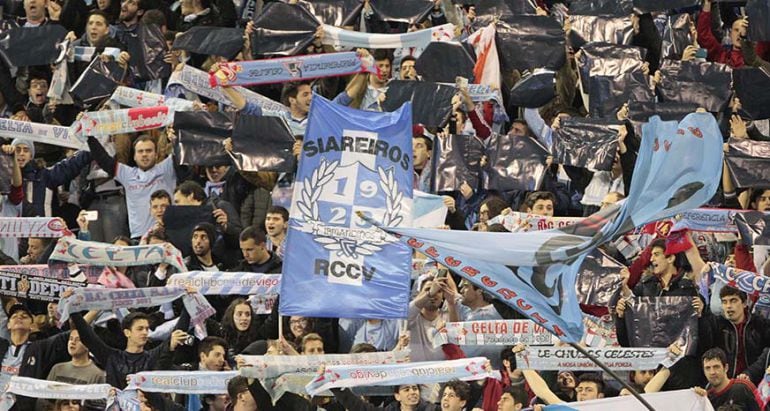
(122, 239)
(363, 348)
(536, 196)
(497, 228)
(518, 394)
(407, 58)
(382, 54)
(714, 354)
(461, 388)
(99, 13)
(427, 140)
(208, 344)
(279, 210)
(235, 386)
(727, 290)
(658, 243)
(143, 138)
(756, 194)
(131, 318)
(158, 234)
(160, 194)
(191, 187)
(310, 337)
(495, 204)
(155, 17)
(290, 90)
(397, 388)
(252, 233)
(594, 378)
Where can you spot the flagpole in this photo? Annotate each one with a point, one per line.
(613, 375)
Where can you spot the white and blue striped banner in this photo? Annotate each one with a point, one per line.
(130, 97)
(272, 366)
(682, 400)
(188, 382)
(221, 283)
(428, 210)
(336, 36)
(87, 53)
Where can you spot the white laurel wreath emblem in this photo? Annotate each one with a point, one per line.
(313, 186)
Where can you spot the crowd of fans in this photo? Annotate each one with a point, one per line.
(131, 180)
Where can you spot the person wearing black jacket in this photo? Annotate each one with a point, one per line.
(256, 257)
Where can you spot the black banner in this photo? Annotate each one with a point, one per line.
(282, 30)
(216, 41)
(599, 280)
(608, 94)
(97, 82)
(751, 86)
(529, 42)
(6, 171)
(662, 321)
(148, 48)
(458, 161)
(749, 162)
(33, 46)
(431, 102)
(179, 222)
(442, 62)
(587, 143)
(488, 11)
(611, 60)
(649, 6)
(199, 137)
(754, 227)
(600, 29)
(33, 287)
(676, 36)
(534, 91)
(640, 113)
(758, 12)
(514, 163)
(336, 12)
(602, 7)
(263, 143)
(403, 11)
(703, 83)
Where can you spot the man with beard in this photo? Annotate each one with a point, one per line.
(424, 315)
(202, 259)
(256, 257)
(97, 35)
(296, 96)
(276, 225)
(131, 11)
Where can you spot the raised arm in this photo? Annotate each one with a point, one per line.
(100, 155)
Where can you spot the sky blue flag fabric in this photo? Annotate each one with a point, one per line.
(337, 264)
(677, 169)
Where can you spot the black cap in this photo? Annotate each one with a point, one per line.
(18, 307)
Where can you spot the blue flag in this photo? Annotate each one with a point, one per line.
(535, 273)
(337, 264)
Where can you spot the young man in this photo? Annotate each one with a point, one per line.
(190, 193)
(422, 148)
(540, 203)
(590, 386)
(256, 257)
(296, 96)
(312, 344)
(80, 370)
(513, 399)
(455, 396)
(201, 259)
(367, 88)
(407, 396)
(723, 390)
(241, 397)
(276, 225)
(424, 314)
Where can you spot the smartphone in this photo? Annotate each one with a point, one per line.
(461, 82)
(701, 54)
(92, 215)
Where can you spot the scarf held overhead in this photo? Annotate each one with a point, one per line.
(93, 253)
(20, 227)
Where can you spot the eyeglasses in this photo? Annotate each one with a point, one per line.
(302, 321)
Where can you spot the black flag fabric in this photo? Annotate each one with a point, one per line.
(749, 162)
(215, 41)
(97, 82)
(599, 280)
(442, 62)
(606, 59)
(199, 137)
(6, 171)
(514, 163)
(754, 227)
(676, 36)
(602, 29)
(458, 161)
(488, 11)
(602, 7)
(649, 6)
(640, 112)
(703, 83)
(586, 143)
(758, 12)
(529, 42)
(263, 143)
(608, 94)
(148, 49)
(179, 222)
(662, 321)
(402, 11)
(283, 30)
(431, 102)
(33, 46)
(751, 87)
(534, 91)
(335, 12)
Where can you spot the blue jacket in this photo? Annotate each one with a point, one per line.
(50, 178)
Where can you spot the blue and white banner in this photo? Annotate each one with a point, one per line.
(682, 400)
(187, 382)
(615, 358)
(493, 332)
(535, 272)
(428, 210)
(336, 36)
(346, 376)
(280, 70)
(40, 133)
(715, 220)
(87, 53)
(338, 265)
(32, 387)
(131, 97)
(221, 283)
(272, 366)
(749, 282)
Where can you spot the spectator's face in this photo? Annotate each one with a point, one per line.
(408, 72)
(542, 208)
(420, 153)
(298, 326)
(245, 401)
(35, 248)
(565, 381)
(34, 9)
(252, 252)
(215, 174)
(732, 308)
(736, 32)
(450, 401)
(641, 378)
(313, 347)
(74, 346)
(129, 10)
(588, 390)
(483, 214)
(214, 360)
(469, 293)
(158, 207)
(660, 262)
(144, 154)
(242, 317)
(730, 260)
(201, 244)
(138, 333)
(103, 4)
(507, 403)
(408, 395)
(218, 403)
(185, 200)
(275, 225)
(436, 301)
(301, 103)
(97, 29)
(519, 130)
(23, 155)
(762, 203)
(715, 371)
(20, 321)
(38, 88)
(384, 67)
(69, 405)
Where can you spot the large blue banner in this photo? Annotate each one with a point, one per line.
(337, 264)
(678, 169)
